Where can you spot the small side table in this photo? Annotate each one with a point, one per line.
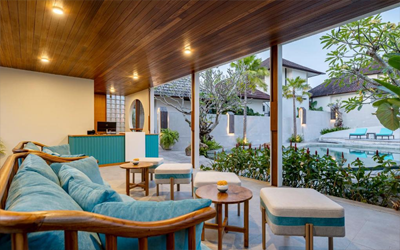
(373, 134)
(235, 195)
(144, 166)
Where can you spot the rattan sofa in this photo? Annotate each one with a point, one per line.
(19, 224)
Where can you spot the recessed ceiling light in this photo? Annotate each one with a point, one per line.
(58, 10)
(45, 59)
(135, 76)
(188, 51)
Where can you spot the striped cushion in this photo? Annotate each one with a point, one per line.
(289, 209)
(181, 172)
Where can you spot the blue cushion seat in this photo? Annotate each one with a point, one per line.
(31, 146)
(147, 211)
(385, 132)
(359, 132)
(181, 172)
(31, 191)
(88, 166)
(36, 164)
(59, 149)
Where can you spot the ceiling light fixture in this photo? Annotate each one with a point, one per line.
(45, 59)
(58, 10)
(135, 76)
(188, 51)
(112, 90)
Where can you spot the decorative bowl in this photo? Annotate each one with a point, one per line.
(222, 188)
(135, 161)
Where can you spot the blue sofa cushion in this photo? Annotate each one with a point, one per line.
(67, 173)
(30, 191)
(87, 165)
(48, 151)
(153, 211)
(31, 146)
(126, 198)
(36, 164)
(60, 149)
(88, 194)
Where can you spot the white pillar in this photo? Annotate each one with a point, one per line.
(276, 114)
(151, 111)
(195, 120)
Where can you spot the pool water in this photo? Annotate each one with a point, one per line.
(352, 153)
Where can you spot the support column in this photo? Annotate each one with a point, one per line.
(276, 114)
(195, 120)
(151, 111)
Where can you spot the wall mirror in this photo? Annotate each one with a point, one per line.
(137, 116)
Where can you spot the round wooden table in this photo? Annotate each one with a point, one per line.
(235, 195)
(144, 166)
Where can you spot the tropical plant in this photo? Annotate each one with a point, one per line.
(330, 130)
(241, 142)
(313, 106)
(335, 108)
(219, 93)
(388, 112)
(297, 90)
(297, 138)
(324, 173)
(2, 148)
(168, 138)
(361, 47)
(211, 145)
(250, 112)
(252, 76)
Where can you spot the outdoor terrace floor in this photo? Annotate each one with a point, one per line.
(367, 226)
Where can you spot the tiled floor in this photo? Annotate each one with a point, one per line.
(367, 226)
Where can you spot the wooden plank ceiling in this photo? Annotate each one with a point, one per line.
(109, 40)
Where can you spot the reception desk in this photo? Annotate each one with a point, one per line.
(108, 149)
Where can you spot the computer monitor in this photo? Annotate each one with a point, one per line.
(109, 127)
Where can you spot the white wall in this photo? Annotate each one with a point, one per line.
(43, 107)
(355, 118)
(144, 97)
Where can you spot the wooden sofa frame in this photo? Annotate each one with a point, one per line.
(19, 224)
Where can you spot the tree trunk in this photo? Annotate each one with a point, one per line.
(245, 114)
(294, 114)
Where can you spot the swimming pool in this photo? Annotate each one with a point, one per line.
(351, 153)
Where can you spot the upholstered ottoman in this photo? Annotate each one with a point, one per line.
(210, 177)
(174, 173)
(301, 212)
(153, 160)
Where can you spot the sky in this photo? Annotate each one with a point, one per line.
(308, 51)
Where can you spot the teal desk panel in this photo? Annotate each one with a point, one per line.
(152, 145)
(106, 149)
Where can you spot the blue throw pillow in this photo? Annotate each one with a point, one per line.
(126, 198)
(153, 211)
(48, 151)
(60, 149)
(36, 164)
(30, 191)
(67, 173)
(87, 165)
(31, 146)
(88, 194)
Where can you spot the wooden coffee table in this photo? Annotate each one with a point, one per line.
(235, 195)
(144, 166)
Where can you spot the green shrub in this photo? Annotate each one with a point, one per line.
(298, 138)
(329, 130)
(168, 138)
(240, 141)
(303, 169)
(211, 145)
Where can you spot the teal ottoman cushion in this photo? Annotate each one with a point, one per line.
(60, 149)
(30, 191)
(88, 166)
(153, 211)
(36, 164)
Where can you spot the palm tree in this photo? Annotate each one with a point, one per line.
(296, 89)
(252, 77)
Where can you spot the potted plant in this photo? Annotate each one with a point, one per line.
(168, 138)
